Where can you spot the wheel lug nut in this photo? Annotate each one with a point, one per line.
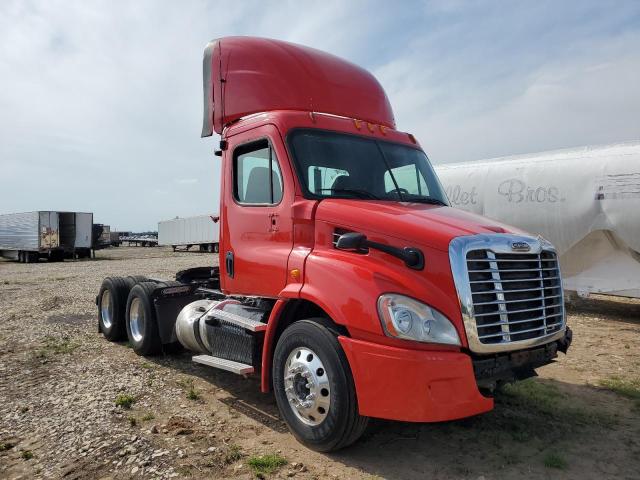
(311, 396)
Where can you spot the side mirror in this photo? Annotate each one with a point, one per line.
(351, 241)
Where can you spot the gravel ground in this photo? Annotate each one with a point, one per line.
(60, 382)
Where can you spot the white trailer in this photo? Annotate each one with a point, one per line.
(201, 231)
(586, 201)
(29, 236)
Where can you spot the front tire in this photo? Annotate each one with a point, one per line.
(142, 326)
(314, 387)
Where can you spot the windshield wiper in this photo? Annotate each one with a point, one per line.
(354, 191)
(427, 200)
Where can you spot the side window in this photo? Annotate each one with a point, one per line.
(257, 177)
(322, 179)
(408, 178)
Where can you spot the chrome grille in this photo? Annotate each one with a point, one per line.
(515, 296)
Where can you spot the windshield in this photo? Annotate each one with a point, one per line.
(336, 165)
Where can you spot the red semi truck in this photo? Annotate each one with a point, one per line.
(346, 282)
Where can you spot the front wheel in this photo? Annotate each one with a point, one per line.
(314, 388)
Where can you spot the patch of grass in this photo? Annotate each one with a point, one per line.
(26, 454)
(233, 454)
(546, 400)
(125, 400)
(147, 365)
(266, 464)
(193, 394)
(183, 471)
(133, 421)
(626, 388)
(148, 416)
(532, 412)
(56, 346)
(4, 446)
(555, 460)
(187, 384)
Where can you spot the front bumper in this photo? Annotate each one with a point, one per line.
(492, 370)
(433, 386)
(413, 385)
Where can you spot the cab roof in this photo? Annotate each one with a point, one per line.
(247, 75)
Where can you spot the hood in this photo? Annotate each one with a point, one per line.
(430, 225)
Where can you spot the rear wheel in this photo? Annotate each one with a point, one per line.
(112, 304)
(314, 388)
(142, 326)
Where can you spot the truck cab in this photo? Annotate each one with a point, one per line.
(345, 281)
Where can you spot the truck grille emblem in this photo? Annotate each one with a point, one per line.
(520, 246)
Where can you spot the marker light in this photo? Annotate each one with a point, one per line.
(406, 318)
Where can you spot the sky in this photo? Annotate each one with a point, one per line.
(101, 101)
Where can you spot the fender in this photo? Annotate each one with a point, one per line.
(267, 347)
(346, 286)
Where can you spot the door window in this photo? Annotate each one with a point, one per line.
(257, 176)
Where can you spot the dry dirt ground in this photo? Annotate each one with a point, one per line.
(59, 381)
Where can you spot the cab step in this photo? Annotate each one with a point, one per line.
(244, 322)
(223, 364)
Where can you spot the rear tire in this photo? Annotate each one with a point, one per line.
(331, 420)
(133, 280)
(142, 326)
(112, 304)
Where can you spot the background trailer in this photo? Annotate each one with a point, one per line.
(202, 231)
(586, 201)
(30, 236)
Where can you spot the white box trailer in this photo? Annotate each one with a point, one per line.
(29, 236)
(202, 231)
(586, 201)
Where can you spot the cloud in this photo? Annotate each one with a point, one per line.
(99, 99)
(187, 181)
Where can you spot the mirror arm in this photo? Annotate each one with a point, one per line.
(412, 257)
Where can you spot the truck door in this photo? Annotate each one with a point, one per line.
(256, 224)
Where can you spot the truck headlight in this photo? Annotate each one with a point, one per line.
(404, 317)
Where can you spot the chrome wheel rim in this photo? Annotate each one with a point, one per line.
(136, 320)
(306, 385)
(106, 309)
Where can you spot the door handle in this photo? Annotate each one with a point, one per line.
(273, 222)
(228, 262)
